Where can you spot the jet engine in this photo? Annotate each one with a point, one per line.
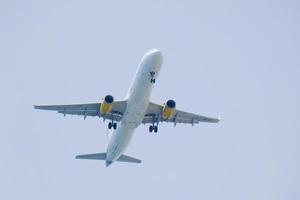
(106, 105)
(169, 109)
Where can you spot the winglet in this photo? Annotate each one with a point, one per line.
(219, 117)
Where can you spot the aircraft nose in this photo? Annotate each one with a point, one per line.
(156, 53)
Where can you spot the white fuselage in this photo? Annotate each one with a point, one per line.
(137, 102)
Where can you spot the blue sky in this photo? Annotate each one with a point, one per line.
(237, 58)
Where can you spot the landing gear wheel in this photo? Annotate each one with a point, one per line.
(150, 129)
(153, 129)
(110, 125)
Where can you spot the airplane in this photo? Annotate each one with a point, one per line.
(134, 110)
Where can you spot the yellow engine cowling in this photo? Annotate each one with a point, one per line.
(169, 109)
(107, 104)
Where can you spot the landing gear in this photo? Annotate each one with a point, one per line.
(152, 74)
(153, 128)
(112, 125)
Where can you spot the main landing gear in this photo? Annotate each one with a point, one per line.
(153, 127)
(112, 125)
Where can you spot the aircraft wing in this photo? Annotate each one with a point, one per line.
(154, 112)
(90, 109)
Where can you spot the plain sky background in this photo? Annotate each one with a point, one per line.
(236, 58)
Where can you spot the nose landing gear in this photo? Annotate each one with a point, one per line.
(152, 74)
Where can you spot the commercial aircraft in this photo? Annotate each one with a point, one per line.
(134, 110)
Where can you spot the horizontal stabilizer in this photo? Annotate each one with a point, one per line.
(95, 156)
(124, 158)
(102, 156)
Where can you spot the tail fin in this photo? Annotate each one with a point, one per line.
(102, 156)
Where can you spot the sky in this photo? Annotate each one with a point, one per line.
(239, 59)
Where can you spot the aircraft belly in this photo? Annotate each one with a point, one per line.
(132, 118)
(118, 143)
(137, 103)
(136, 106)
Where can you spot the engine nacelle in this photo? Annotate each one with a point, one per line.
(106, 105)
(169, 109)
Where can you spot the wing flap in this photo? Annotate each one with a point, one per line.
(185, 117)
(178, 117)
(90, 109)
(74, 107)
